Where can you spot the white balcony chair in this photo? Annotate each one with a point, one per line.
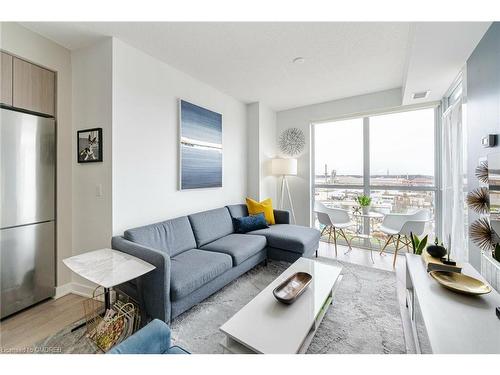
(399, 226)
(333, 219)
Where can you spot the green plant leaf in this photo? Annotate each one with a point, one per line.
(414, 242)
(363, 200)
(421, 245)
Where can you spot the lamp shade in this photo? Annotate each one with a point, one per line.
(284, 167)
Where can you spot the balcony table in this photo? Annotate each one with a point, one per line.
(370, 217)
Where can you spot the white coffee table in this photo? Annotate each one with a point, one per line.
(265, 325)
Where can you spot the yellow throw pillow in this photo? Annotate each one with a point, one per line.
(265, 207)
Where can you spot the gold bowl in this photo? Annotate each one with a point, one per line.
(460, 283)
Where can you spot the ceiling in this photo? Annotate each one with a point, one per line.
(253, 61)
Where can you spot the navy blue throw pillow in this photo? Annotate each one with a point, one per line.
(249, 223)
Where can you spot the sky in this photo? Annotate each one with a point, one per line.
(401, 143)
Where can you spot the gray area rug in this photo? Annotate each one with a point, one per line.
(364, 318)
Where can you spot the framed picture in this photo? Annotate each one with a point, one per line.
(89, 145)
(200, 147)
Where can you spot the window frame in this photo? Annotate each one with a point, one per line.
(366, 187)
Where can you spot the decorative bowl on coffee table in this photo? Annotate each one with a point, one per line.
(289, 290)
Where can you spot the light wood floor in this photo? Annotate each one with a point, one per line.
(29, 326)
(25, 328)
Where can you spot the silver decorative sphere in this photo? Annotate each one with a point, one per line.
(292, 141)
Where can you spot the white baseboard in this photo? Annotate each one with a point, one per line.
(62, 290)
(75, 288)
(82, 290)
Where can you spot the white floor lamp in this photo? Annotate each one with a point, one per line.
(283, 168)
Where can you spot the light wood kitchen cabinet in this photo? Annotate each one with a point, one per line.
(33, 87)
(6, 79)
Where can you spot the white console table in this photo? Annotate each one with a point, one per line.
(447, 322)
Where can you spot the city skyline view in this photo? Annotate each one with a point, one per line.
(401, 156)
(400, 144)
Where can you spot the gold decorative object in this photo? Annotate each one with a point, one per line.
(481, 233)
(478, 200)
(482, 172)
(435, 264)
(460, 283)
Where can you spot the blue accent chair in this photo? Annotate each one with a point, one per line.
(154, 338)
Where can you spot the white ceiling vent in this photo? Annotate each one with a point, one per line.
(420, 95)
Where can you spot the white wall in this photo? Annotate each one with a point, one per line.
(92, 75)
(267, 151)
(33, 47)
(261, 132)
(145, 141)
(303, 117)
(253, 147)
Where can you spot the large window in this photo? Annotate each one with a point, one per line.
(333, 143)
(402, 149)
(391, 157)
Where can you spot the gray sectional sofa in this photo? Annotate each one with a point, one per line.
(197, 255)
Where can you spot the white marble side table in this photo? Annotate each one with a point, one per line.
(107, 268)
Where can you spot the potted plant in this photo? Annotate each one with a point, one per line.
(364, 201)
(418, 244)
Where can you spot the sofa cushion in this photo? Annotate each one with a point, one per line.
(173, 236)
(265, 207)
(239, 246)
(211, 225)
(194, 268)
(238, 210)
(249, 223)
(295, 238)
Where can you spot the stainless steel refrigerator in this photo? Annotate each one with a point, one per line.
(27, 197)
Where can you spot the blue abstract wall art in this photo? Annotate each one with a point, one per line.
(200, 147)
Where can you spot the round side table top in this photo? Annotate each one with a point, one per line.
(371, 215)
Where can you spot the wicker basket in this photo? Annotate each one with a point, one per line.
(108, 328)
